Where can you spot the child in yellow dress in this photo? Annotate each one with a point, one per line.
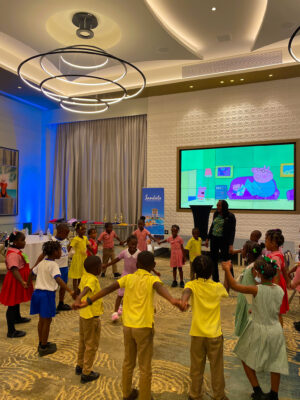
(80, 244)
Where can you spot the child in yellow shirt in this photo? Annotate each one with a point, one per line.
(138, 320)
(206, 333)
(193, 247)
(89, 323)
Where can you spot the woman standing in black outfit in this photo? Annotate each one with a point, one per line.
(221, 235)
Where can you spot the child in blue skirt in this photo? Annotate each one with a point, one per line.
(48, 277)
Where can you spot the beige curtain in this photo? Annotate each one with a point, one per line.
(100, 169)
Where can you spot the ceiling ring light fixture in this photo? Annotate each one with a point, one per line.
(80, 75)
(292, 54)
(83, 48)
(82, 100)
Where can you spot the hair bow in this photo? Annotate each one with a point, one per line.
(272, 262)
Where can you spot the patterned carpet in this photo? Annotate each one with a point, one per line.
(24, 375)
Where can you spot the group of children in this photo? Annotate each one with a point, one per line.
(258, 319)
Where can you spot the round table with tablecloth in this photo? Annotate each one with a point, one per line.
(33, 248)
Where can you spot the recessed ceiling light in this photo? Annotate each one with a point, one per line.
(214, 9)
(231, 80)
(19, 87)
(242, 79)
(270, 75)
(191, 87)
(221, 81)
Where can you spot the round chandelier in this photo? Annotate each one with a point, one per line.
(292, 54)
(83, 66)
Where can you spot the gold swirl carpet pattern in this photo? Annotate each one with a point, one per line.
(24, 375)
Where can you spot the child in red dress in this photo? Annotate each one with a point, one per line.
(273, 241)
(15, 289)
(92, 234)
(177, 259)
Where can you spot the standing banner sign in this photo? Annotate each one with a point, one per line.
(153, 210)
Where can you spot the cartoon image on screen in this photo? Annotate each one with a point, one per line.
(287, 170)
(224, 172)
(259, 186)
(255, 177)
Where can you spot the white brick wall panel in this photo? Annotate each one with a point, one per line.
(240, 114)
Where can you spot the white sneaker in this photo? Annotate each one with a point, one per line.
(120, 310)
(115, 317)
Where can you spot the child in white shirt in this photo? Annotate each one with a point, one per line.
(48, 277)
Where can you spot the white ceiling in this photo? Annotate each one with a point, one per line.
(160, 36)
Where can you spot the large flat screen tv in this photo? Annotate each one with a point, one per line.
(250, 177)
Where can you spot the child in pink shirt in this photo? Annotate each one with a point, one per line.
(274, 240)
(141, 233)
(130, 260)
(295, 284)
(177, 254)
(107, 237)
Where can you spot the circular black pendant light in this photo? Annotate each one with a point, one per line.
(292, 54)
(81, 65)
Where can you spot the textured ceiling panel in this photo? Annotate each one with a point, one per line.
(233, 64)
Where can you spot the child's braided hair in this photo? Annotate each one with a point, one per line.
(267, 267)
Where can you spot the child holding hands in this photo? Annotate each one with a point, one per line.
(15, 289)
(129, 256)
(295, 284)
(92, 234)
(141, 233)
(107, 237)
(177, 259)
(206, 333)
(263, 335)
(61, 236)
(250, 252)
(193, 248)
(138, 319)
(80, 244)
(89, 323)
(48, 277)
(274, 241)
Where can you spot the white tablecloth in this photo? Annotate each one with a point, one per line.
(33, 247)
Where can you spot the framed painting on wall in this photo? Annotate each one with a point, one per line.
(9, 176)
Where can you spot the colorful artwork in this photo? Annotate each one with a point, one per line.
(259, 186)
(287, 170)
(9, 160)
(224, 172)
(221, 192)
(208, 172)
(201, 193)
(255, 177)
